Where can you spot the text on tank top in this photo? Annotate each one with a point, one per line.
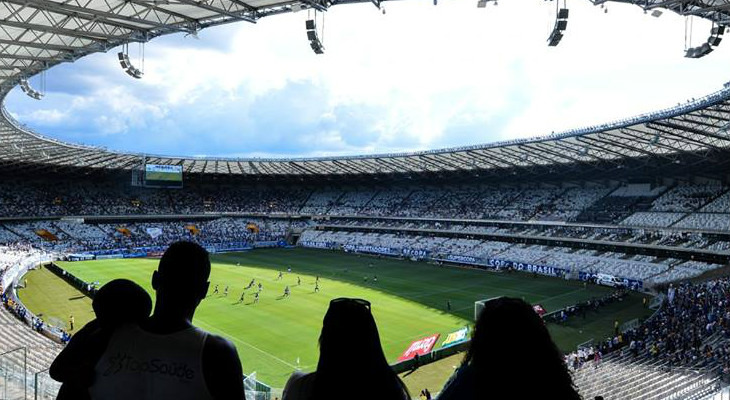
(140, 365)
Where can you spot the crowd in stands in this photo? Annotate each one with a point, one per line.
(652, 219)
(67, 236)
(686, 198)
(619, 234)
(691, 329)
(641, 268)
(642, 211)
(71, 237)
(695, 206)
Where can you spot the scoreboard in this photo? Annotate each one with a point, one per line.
(163, 176)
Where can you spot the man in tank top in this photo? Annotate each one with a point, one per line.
(166, 357)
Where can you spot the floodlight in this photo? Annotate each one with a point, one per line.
(28, 90)
(483, 3)
(127, 66)
(714, 40)
(123, 60)
(314, 42)
(709, 46)
(554, 38)
(561, 23)
(134, 72)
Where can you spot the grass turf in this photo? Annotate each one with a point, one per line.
(278, 335)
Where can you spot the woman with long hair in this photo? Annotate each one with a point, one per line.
(351, 361)
(511, 356)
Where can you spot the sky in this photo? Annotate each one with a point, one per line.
(418, 76)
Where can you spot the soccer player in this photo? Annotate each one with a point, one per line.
(288, 268)
(299, 281)
(215, 290)
(448, 305)
(71, 321)
(261, 287)
(317, 280)
(243, 295)
(316, 286)
(225, 291)
(286, 291)
(250, 284)
(256, 297)
(281, 275)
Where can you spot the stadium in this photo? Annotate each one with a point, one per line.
(618, 234)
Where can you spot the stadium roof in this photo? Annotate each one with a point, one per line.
(36, 35)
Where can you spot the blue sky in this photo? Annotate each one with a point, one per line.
(417, 77)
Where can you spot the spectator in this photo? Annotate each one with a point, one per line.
(510, 350)
(166, 357)
(74, 366)
(345, 370)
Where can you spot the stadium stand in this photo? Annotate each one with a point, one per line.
(652, 219)
(680, 352)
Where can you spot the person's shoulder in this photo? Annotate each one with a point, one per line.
(220, 349)
(222, 368)
(299, 386)
(218, 342)
(460, 385)
(299, 376)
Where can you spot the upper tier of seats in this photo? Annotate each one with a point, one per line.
(686, 206)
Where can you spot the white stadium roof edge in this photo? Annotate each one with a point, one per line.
(36, 35)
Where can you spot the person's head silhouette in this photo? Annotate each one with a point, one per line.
(511, 352)
(120, 301)
(341, 372)
(181, 281)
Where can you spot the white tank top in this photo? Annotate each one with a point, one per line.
(144, 366)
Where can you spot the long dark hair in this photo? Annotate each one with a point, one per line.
(351, 360)
(511, 349)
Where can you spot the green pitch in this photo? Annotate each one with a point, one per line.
(278, 335)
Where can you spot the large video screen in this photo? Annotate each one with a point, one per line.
(163, 176)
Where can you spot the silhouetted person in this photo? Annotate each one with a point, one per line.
(511, 356)
(74, 366)
(342, 372)
(166, 357)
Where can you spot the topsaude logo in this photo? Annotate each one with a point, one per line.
(124, 363)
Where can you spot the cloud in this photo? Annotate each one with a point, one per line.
(417, 77)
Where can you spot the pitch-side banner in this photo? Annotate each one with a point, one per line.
(539, 309)
(457, 337)
(420, 347)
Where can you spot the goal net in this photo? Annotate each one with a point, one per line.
(479, 306)
(255, 390)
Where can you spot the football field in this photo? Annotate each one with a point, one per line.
(279, 334)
